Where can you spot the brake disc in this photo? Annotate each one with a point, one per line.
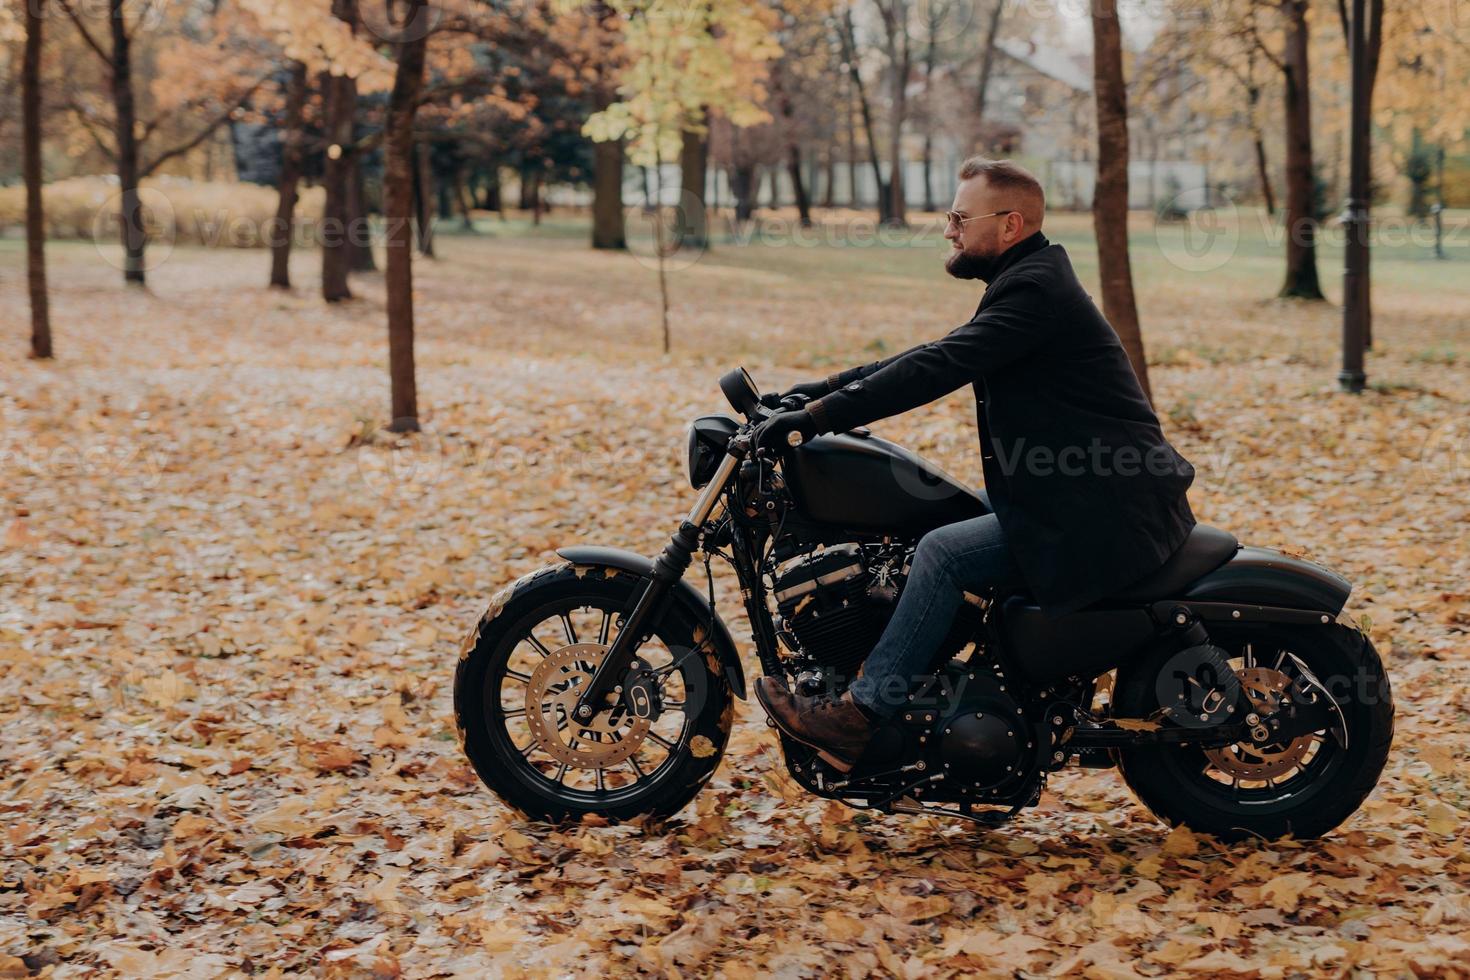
(606, 739)
(1246, 760)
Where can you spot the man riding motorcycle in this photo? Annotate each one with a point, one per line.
(1087, 494)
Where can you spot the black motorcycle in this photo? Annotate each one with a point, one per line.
(1227, 687)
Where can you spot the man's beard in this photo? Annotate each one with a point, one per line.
(968, 265)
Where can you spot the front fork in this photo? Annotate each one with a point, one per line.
(668, 569)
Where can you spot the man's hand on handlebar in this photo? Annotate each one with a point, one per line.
(784, 430)
(795, 397)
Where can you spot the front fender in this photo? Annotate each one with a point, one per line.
(683, 593)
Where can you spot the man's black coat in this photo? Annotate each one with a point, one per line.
(1088, 491)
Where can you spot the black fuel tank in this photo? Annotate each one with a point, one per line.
(862, 483)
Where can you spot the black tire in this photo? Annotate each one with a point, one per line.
(494, 658)
(1181, 785)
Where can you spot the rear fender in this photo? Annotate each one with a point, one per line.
(683, 593)
(1263, 585)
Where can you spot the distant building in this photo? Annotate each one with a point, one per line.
(1039, 112)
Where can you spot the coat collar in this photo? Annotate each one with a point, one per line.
(1017, 252)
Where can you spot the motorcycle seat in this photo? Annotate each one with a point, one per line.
(1206, 549)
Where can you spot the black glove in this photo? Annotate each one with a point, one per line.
(810, 390)
(784, 430)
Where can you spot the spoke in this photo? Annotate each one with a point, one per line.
(661, 740)
(1250, 656)
(523, 678)
(513, 713)
(601, 781)
(1280, 659)
(561, 773)
(674, 704)
(531, 746)
(606, 625)
(540, 647)
(566, 624)
(636, 768)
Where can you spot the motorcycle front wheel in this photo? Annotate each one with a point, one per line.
(1303, 787)
(522, 670)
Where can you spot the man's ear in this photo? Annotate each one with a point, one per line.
(1014, 228)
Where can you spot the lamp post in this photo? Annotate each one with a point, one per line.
(1355, 309)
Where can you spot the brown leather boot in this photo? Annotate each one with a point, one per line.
(835, 727)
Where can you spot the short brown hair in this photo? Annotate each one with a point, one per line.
(1004, 175)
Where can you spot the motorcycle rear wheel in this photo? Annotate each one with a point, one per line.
(1303, 788)
(521, 671)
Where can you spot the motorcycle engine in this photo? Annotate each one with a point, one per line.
(832, 608)
(828, 604)
(965, 721)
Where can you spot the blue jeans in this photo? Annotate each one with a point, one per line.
(965, 557)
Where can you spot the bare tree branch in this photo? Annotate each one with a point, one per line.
(84, 115)
(203, 134)
(86, 34)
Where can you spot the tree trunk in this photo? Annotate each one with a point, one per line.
(743, 187)
(464, 199)
(852, 165)
(359, 222)
(693, 217)
(284, 228)
(1264, 173)
(1110, 197)
(125, 136)
(930, 56)
(340, 95)
(987, 65)
(490, 199)
(829, 175)
(798, 187)
(30, 83)
(529, 188)
(793, 151)
(398, 181)
(849, 53)
(928, 172)
(608, 227)
(423, 197)
(445, 190)
(1301, 224)
(898, 108)
(341, 107)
